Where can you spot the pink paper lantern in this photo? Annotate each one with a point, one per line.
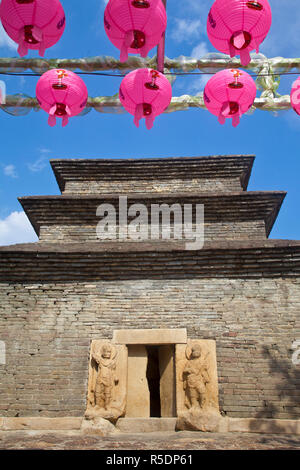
(61, 93)
(229, 94)
(295, 96)
(135, 26)
(33, 24)
(237, 27)
(145, 93)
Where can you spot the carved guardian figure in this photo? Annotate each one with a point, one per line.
(106, 377)
(195, 378)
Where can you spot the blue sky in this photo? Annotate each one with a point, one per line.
(27, 143)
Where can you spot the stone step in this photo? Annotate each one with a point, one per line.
(142, 425)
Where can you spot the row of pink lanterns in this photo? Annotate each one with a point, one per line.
(143, 93)
(146, 93)
(234, 27)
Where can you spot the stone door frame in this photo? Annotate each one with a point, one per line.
(153, 337)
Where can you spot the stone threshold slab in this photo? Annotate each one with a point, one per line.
(141, 425)
(231, 425)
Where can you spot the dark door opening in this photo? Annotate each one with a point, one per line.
(153, 378)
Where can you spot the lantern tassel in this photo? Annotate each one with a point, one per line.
(128, 40)
(221, 118)
(245, 57)
(52, 118)
(144, 51)
(232, 50)
(65, 118)
(23, 48)
(236, 50)
(38, 35)
(149, 121)
(42, 49)
(138, 114)
(235, 120)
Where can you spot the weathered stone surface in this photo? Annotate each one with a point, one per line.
(141, 425)
(138, 395)
(167, 381)
(197, 386)
(150, 336)
(99, 426)
(81, 211)
(153, 175)
(136, 425)
(196, 376)
(198, 420)
(107, 380)
(40, 423)
(264, 426)
(56, 297)
(254, 322)
(98, 262)
(217, 231)
(75, 440)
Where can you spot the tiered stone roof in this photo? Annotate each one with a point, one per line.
(67, 223)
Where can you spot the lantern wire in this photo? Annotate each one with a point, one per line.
(105, 74)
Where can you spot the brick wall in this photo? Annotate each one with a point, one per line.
(246, 230)
(48, 327)
(149, 186)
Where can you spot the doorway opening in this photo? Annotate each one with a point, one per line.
(151, 382)
(153, 378)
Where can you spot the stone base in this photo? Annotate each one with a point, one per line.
(40, 424)
(198, 420)
(111, 415)
(99, 426)
(264, 425)
(142, 425)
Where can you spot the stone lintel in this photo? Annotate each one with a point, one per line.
(163, 336)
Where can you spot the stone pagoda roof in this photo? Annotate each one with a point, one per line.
(218, 182)
(224, 166)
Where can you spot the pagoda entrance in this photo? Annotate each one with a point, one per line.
(136, 380)
(151, 384)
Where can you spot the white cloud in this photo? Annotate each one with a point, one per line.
(16, 228)
(5, 40)
(197, 85)
(200, 8)
(186, 30)
(199, 51)
(41, 162)
(283, 38)
(10, 170)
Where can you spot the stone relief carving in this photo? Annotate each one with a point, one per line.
(197, 386)
(106, 375)
(107, 381)
(195, 378)
(111, 368)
